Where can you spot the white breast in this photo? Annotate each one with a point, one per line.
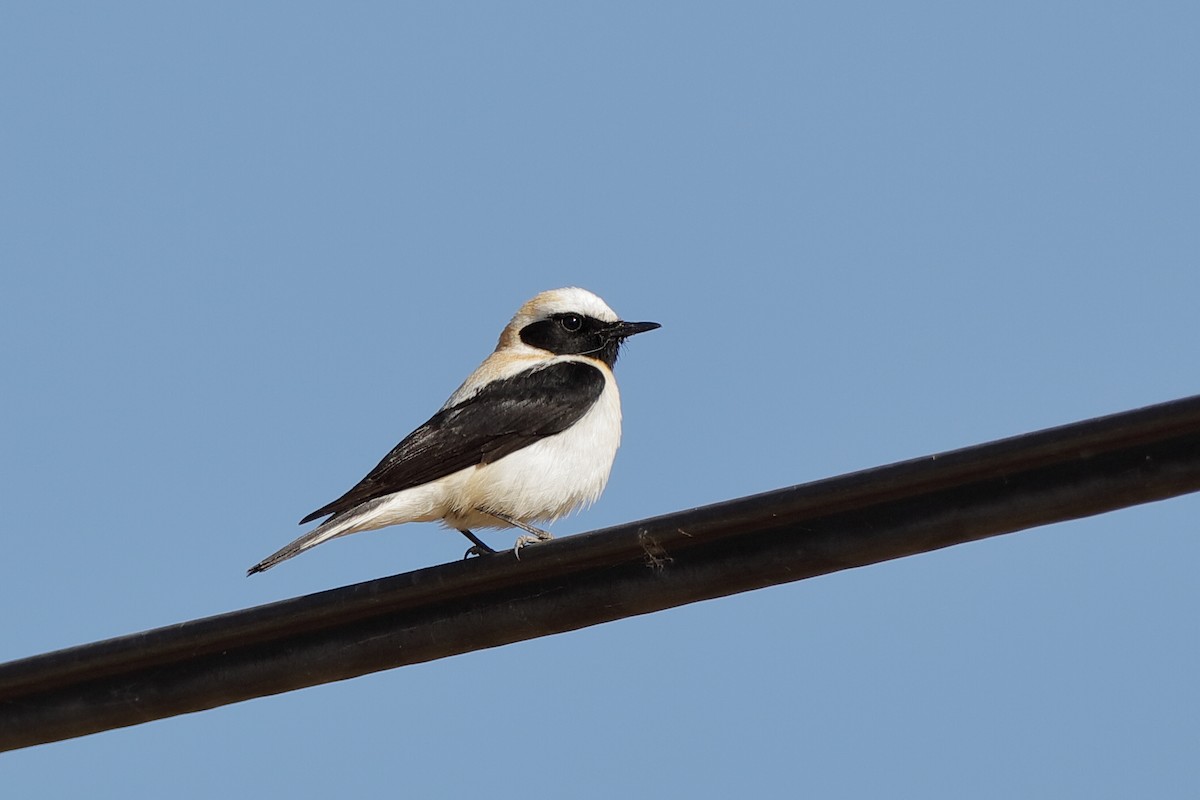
(550, 477)
(539, 483)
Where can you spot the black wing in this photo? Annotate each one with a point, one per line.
(500, 419)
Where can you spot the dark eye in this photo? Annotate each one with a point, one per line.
(571, 322)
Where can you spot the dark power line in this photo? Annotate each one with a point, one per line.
(786, 535)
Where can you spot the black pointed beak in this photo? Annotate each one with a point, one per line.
(623, 330)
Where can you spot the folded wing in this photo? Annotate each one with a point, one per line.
(503, 417)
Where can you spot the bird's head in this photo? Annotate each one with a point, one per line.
(570, 321)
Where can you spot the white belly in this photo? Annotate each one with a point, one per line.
(539, 483)
(547, 479)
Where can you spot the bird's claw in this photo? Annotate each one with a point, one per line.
(476, 550)
(523, 541)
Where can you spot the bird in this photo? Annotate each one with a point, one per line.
(527, 438)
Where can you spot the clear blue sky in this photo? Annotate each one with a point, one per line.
(247, 247)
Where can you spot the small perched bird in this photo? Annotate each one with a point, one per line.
(529, 436)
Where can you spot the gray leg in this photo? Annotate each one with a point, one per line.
(478, 548)
(536, 534)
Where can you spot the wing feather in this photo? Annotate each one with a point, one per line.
(500, 419)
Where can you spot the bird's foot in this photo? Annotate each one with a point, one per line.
(525, 541)
(478, 546)
(535, 534)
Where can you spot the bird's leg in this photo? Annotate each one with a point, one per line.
(479, 548)
(536, 534)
